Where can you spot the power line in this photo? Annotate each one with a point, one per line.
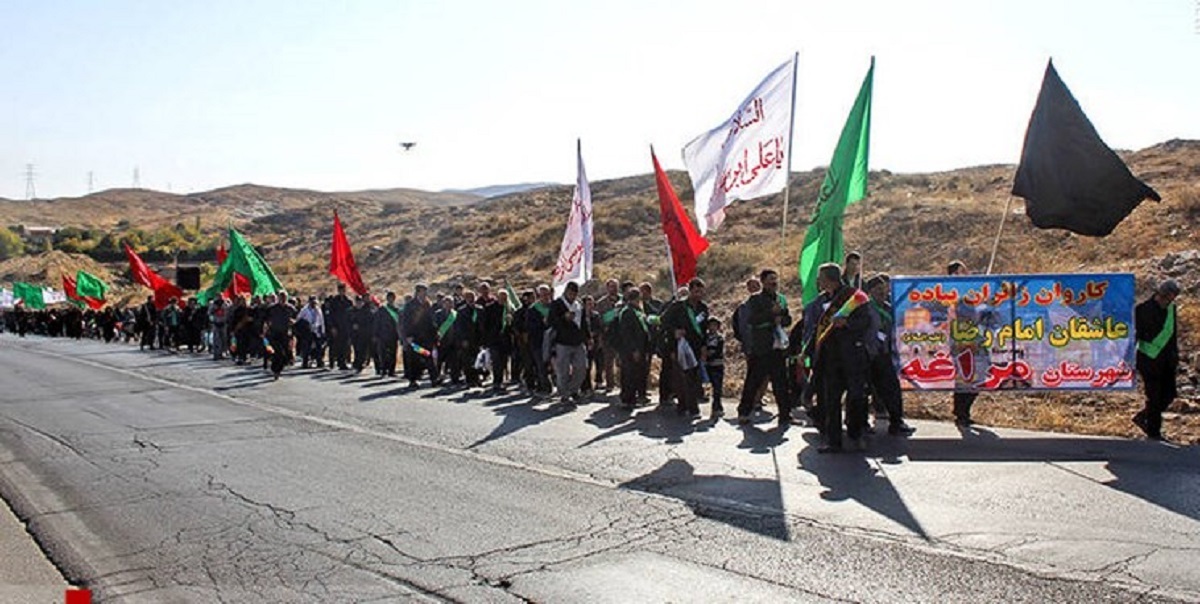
(30, 176)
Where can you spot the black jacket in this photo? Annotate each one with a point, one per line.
(761, 310)
(566, 332)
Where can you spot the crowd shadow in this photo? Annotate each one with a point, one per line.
(850, 476)
(657, 423)
(760, 500)
(518, 414)
(1162, 474)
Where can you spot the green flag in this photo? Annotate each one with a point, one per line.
(845, 183)
(88, 285)
(30, 294)
(243, 259)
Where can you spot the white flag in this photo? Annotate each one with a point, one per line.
(575, 257)
(52, 296)
(6, 299)
(746, 156)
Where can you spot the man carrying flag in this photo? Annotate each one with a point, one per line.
(767, 350)
(839, 350)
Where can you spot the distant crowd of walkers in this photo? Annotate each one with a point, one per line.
(566, 348)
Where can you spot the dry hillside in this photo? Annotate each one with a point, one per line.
(909, 223)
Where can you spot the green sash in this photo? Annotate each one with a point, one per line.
(692, 315)
(1153, 348)
(641, 317)
(447, 324)
(395, 314)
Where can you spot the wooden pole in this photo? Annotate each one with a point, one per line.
(996, 243)
(787, 176)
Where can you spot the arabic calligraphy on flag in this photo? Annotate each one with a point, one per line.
(745, 156)
(575, 255)
(1005, 332)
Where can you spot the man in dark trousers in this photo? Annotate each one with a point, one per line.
(278, 332)
(338, 326)
(493, 332)
(1157, 356)
(684, 319)
(840, 361)
(884, 369)
(420, 338)
(633, 345)
(465, 334)
(963, 399)
(147, 323)
(362, 327)
(766, 355)
(386, 331)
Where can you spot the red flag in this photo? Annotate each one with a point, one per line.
(341, 260)
(240, 284)
(163, 290)
(73, 294)
(685, 242)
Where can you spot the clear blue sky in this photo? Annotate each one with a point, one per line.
(319, 94)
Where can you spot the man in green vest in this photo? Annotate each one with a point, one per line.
(1157, 356)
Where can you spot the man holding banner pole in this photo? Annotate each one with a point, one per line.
(1157, 356)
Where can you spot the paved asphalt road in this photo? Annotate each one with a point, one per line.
(159, 478)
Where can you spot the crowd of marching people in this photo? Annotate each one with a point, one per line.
(822, 364)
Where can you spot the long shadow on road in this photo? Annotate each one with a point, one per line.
(1165, 475)
(519, 414)
(660, 423)
(851, 477)
(678, 479)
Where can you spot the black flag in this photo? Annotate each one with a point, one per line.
(1069, 178)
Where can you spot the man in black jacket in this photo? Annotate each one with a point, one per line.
(338, 326)
(386, 332)
(1157, 356)
(420, 338)
(566, 317)
(633, 346)
(884, 368)
(840, 360)
(362, 323)
(684, 320)
(465, 334)
(766, 314)
(493, 332)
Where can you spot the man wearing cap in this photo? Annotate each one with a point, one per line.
(1157, 356)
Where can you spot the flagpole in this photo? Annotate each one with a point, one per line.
(996, 243)
(787, 176)
(670, 264)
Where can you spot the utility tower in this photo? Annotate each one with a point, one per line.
(91, 181)
(137, 178)
(30, 176)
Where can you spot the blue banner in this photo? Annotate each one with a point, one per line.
(1003, 332)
